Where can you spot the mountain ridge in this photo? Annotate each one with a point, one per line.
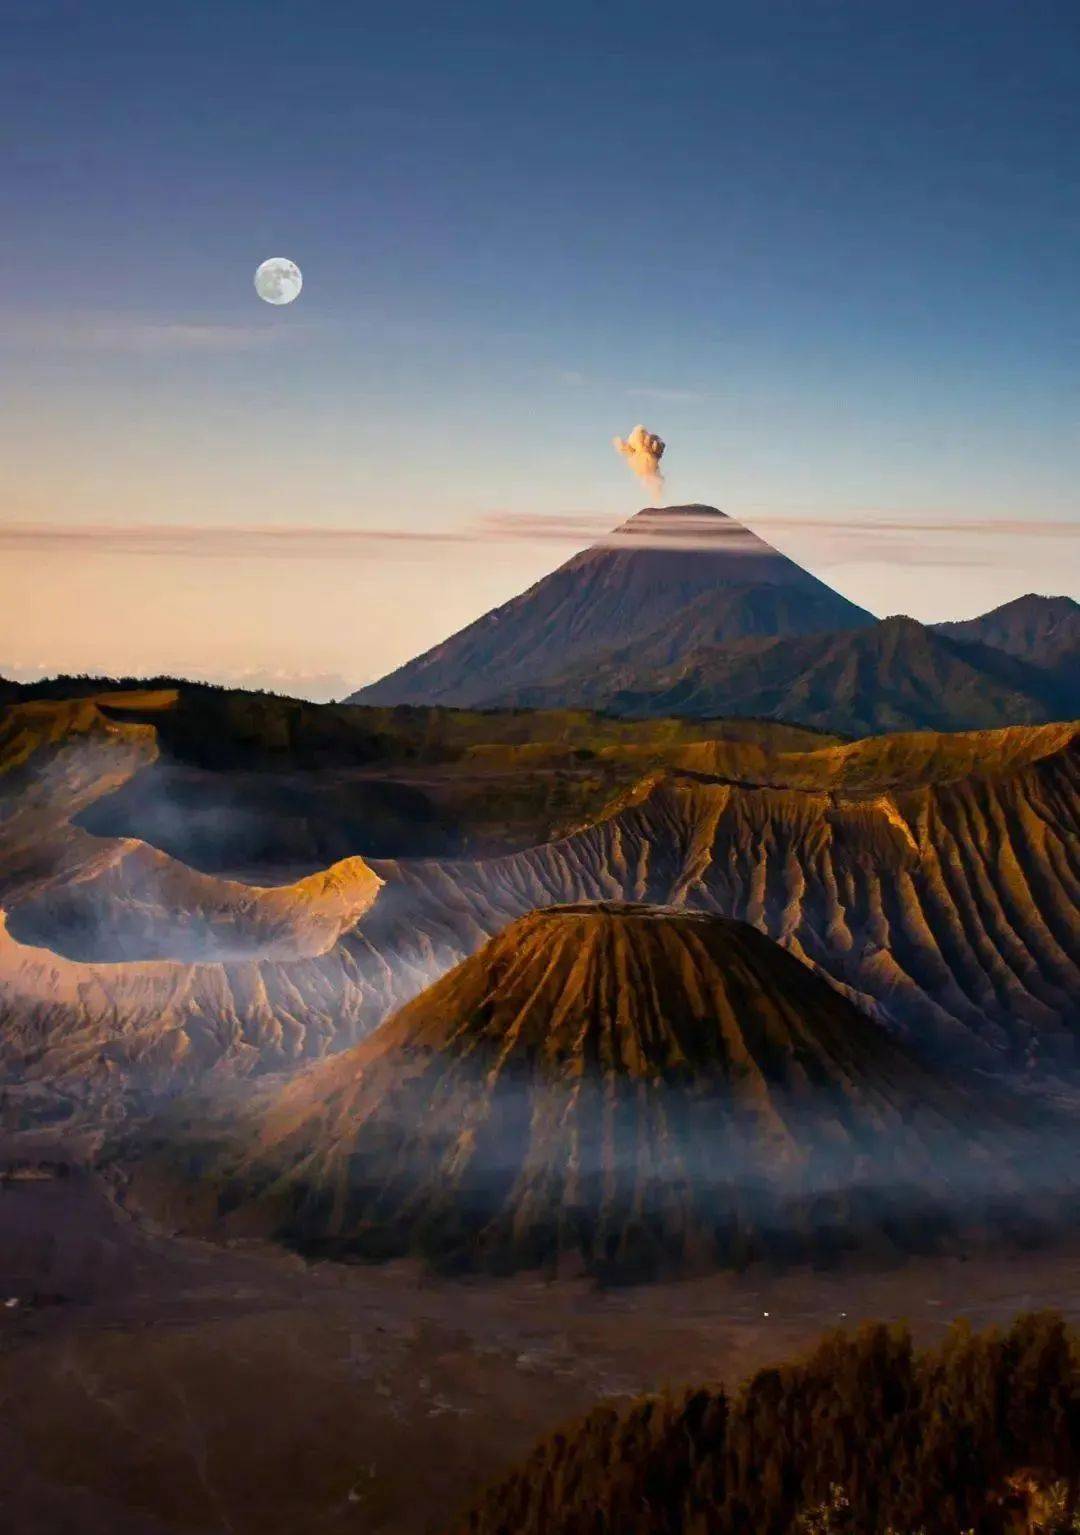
(1044, 631)
(896, 674)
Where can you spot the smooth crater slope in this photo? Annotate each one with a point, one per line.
(619, 1087)
(651, 571)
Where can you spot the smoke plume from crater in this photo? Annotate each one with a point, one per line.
(643, 451)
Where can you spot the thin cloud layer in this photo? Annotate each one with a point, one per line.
(251, 540)
(848, 540)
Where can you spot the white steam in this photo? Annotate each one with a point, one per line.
(643, 451)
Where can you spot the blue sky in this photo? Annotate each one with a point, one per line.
(830, 251)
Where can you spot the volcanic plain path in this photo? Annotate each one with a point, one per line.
(150, 1384)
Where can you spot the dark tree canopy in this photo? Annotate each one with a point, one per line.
(980, 1434)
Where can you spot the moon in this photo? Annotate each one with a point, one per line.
(278, 280)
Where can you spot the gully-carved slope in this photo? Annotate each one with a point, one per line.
(941, 890)
(933, 878)
(627, 1086)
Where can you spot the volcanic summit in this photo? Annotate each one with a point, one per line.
(625, 1088)
(622, 591)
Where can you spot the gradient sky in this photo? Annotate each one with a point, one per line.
(830, 251)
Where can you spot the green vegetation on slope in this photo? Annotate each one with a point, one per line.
(248, 780)
(890, 676)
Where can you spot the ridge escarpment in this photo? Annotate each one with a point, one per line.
(949, 910)
(934, 879)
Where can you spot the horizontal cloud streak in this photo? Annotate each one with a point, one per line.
(850, 540)
(290, 541)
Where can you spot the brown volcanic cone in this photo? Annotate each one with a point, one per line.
(639, 1087)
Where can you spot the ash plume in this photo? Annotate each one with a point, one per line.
(643, 451)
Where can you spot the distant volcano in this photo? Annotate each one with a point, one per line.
(624, 1088)
(683, 611)
(631, 586)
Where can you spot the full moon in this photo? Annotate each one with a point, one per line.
(278, 280)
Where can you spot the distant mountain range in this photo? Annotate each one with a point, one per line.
(684, 611)
(1042, 630)
(892, 675)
